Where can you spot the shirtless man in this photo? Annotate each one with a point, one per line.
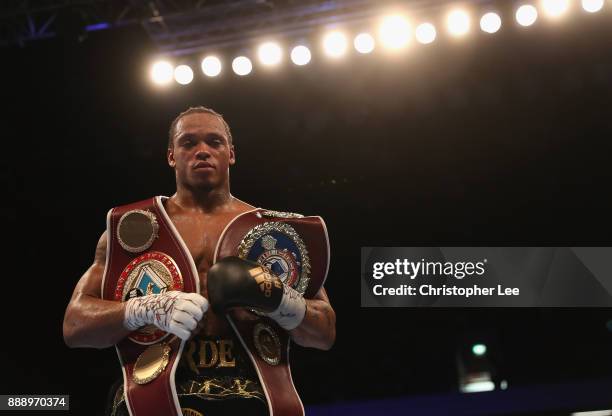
(200, 151)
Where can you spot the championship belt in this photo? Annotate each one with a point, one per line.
(145, 255)
(296, 249)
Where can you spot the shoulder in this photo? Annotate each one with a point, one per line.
(100, 256)
(241, 206)
(141, 204)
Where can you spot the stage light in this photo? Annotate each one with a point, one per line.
(334, 44)
(490, 22)
(211, 66)
(555, 8)
(162, 72)
(477, 386)
(474, 366)
(425, 33)
(300, 55)
(479, 349)
(592, 6)
(394, 32)
(242, 65)
(458, 22)
(526, 15)
(183, 74)
(364, 43)
(269, 53)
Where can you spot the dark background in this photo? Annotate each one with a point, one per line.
(498, 139)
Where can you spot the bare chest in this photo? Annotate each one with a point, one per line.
(201, 235)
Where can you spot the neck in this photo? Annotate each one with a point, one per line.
(202, 199)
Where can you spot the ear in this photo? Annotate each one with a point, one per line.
(170, 157)
(232, 158)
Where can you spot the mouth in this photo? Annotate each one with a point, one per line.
(202, 165)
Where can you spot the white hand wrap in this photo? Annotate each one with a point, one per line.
(291, 311)
(175, 312)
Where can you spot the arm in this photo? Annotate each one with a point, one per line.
(93, 322)
(318, 329)
(89, 320)
(235, 282)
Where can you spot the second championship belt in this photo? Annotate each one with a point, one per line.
(296, 249)
(145, 255)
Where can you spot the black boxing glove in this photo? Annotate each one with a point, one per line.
(234, 282)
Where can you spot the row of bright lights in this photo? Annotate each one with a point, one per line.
(394, 34)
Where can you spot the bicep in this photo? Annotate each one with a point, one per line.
(321, 304)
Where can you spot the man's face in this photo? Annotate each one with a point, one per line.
(201, 154)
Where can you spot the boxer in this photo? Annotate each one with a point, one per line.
(214, 374)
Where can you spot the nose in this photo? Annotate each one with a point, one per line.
(202, 151)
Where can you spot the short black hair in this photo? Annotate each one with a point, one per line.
(195, 110)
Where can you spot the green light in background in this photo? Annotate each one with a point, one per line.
(479, 349)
